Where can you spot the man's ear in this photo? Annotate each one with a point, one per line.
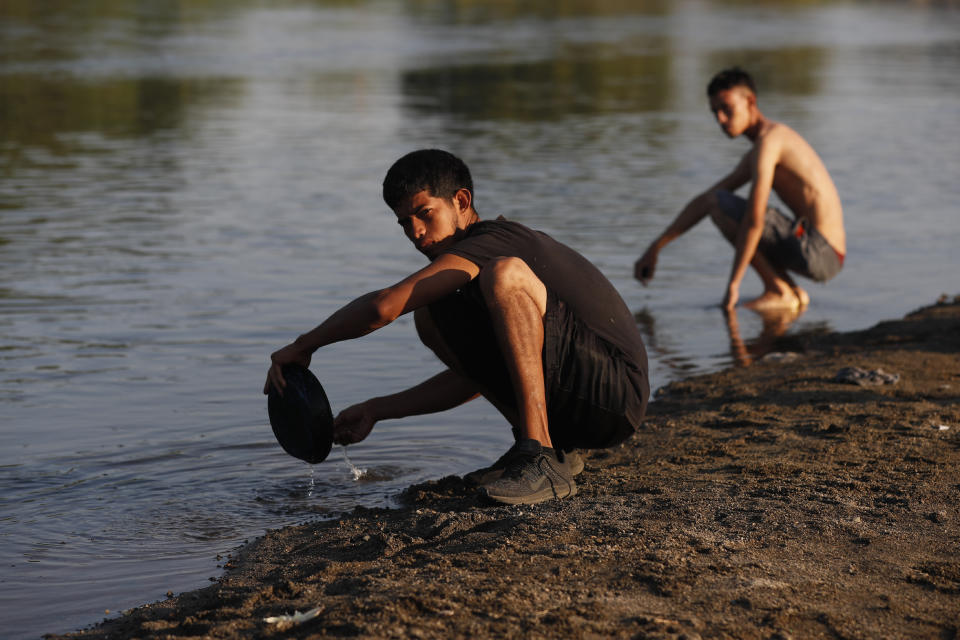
(463, 199)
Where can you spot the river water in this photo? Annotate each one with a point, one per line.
(184, 187)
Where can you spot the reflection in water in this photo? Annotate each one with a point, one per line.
(486, 11)
(578, 83)
(775, 324)
(187, 184)
(37, 111)
(771, 336)
(677, 361)
(791, 71)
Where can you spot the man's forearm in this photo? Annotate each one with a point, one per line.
(355, 319)
(691, 214)
(443, 391)
(748, 238)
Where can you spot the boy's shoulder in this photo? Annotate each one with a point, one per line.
(779, 132)
(775, 139)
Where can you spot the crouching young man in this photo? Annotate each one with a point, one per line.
(515, 316)
(812, 243)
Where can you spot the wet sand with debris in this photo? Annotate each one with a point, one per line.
(770, 501)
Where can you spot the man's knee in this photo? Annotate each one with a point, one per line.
(505, 271)
(714, 210)
(427, 330)
(506, 275)
(724, 221)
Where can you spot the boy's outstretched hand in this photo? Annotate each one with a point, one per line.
(645, 266)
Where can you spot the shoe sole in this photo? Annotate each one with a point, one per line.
(547, 493)
(476, 479)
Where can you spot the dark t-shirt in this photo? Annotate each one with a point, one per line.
(572, 278)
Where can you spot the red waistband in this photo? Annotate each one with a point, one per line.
(801, 228)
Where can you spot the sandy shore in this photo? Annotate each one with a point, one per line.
(771, 501)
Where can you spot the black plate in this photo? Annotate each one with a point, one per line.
(301, 418)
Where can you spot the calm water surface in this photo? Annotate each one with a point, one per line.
(185, 187)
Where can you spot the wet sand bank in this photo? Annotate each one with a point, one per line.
(772, 501)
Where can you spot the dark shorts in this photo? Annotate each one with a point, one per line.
(788, 245)
(596, 395)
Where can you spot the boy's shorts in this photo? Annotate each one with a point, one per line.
(789, 245)
(596, 395)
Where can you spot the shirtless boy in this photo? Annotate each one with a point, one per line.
(515, 316)
(812, 244)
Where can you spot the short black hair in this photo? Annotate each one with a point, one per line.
(728, 79)
(434, 170)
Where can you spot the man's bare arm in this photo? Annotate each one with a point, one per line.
(374, 310)
(696, 209)
(691, 214)
(443, 391)
(762, 168)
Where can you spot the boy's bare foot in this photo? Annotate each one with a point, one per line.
(802, 296)
(771, 300)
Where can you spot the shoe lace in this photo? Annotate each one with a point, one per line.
(506, 458)
(521, 465)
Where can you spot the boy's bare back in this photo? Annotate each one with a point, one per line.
(802, 182)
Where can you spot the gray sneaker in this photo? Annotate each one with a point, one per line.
(486, 475)
(494, 471)
(534, 474)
